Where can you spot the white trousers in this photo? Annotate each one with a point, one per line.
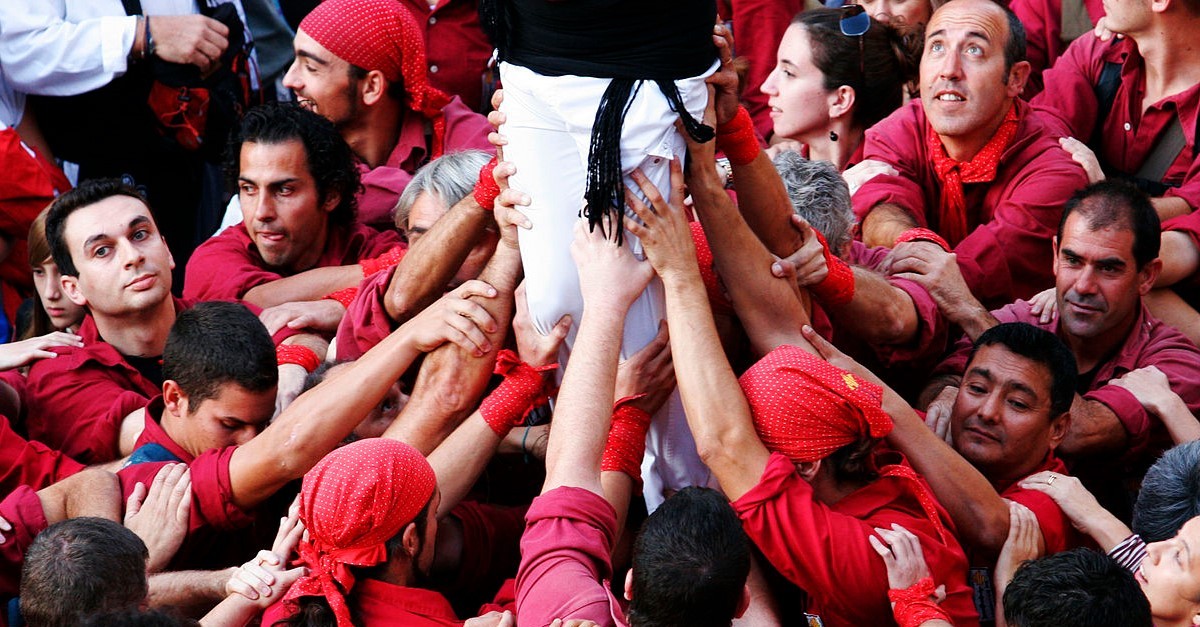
(549, 126)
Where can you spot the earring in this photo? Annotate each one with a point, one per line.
(833, 136)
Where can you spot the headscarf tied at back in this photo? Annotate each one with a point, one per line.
(352, 502)
(382, 35)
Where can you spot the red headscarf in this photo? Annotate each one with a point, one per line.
(381, 35)
(806, 408)
(352, 502)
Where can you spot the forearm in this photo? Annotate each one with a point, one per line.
(764, 203)
(422, 275)
(188, 588)
(451, 379)
(884, 223)
(761, 300)
(880, 313)
(312, 284)
(1169, 207)
(1094, 429)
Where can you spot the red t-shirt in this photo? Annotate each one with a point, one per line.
(228, 265)
(566, 559)
(823, 549)
(1007, 254)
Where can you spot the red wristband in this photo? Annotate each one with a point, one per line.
(837, 288)
(344, 296)
(297, 354)
(626, 439)
(923, 235)
(507, 405)
(384, 261)
(487, 189)
(914, 605)
(737, 140)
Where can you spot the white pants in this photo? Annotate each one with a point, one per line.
(549, 126)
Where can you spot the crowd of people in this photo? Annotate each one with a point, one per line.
(600, 312)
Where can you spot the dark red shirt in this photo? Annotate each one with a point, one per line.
(823, 549)
(1129, 129)
(381, 186)
(456, 48)
(228, 265)
(1007, 254)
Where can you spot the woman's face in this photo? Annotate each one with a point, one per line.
(796, 89)
(899, 12)
(63, 313)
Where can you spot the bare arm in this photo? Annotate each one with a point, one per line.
(312, 284)
(884, 223)
(431, 262)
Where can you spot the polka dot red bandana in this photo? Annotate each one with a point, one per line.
(381, 35)
(806, 408)
(352, 502)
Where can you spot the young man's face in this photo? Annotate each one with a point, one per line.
(123, 262)
(231, 418)
(1002, 422)
(282, 208)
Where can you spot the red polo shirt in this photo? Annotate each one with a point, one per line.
(1042, 20)
(381, 186)
(1127, 133)
(228, 265)
(456, 48)
(823, 549)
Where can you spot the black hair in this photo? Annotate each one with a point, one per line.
(215, 343)
(1039, 346)
(1170, 494)
(690, 563)
(86, 194)
(80, 567)
(1077, 588)
(330, 160)
(1118, 204)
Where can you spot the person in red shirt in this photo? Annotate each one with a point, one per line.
(1131, 103)
(362, 65)
(794, 445)
(299, 240)
(971, 161)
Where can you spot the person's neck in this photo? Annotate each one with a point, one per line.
(1171, 56)
(1090, 351)
(139, 334)
(375, 133)
(963, 150)
(837, 152)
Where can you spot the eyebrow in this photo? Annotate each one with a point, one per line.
(312, 57)
(137, 221)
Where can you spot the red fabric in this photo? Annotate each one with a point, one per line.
(837, 288)
(805, 408)
(23, 510)
(24, 462)
(737, 140)
(1130, 126)
(565, 559)
(924, 235)
(1151, 343)
(382, 35)
(380, 604)
(758, 27)
(823, 549)
(153, 432)
(29, 183)
(381, 186)
(343, 296)
(487, 189)
(953, 174)
(626, 443)
(914, 605)
(366, 322)
(1010, 221)
(1042, 20)
(507, 405)
(226, 266)
(456, 47)
(352, 502)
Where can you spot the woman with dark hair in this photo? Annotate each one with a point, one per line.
(838, 72)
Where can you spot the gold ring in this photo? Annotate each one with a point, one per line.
(1050, 481)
